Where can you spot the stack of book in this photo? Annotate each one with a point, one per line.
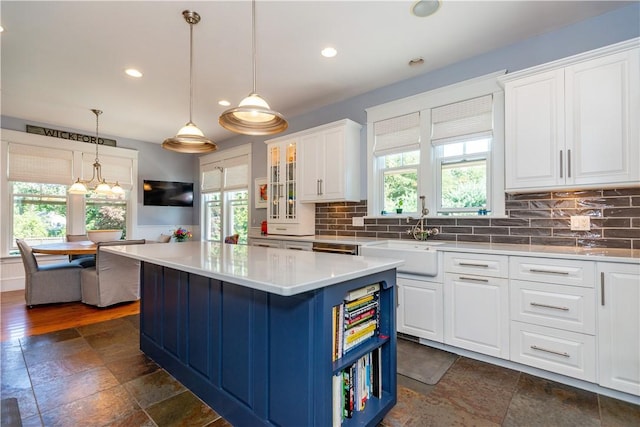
(356, 319)
(355, 385)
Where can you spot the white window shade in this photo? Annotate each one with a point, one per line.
(473, 116)
(114, 169)
(229, 174)
(211, 179)
(40, 164)
(397, 134)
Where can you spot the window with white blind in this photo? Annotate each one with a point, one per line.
(38, 174)
(225, 178)
(397, 162)
(446, 145)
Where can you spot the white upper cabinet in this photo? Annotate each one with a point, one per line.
(574, 123)
(330, 163)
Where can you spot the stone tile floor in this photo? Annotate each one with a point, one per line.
(95, 375)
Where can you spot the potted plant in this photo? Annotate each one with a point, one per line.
(399, 206)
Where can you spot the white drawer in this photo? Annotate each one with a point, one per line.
(563, 352)
(557, 306)
(551, 270)
(285, 229)
(480, 264)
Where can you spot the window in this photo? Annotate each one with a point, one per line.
(39, 212)
(397, 158)
(34, 189)
(446, 145)
(400, 178)
(462, 176)
(225, 194)
(106, 213)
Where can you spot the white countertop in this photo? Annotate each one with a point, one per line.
(566, 252)
(279, 271)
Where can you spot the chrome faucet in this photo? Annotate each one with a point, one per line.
(418, 231)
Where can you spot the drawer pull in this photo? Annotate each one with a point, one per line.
(555, 307)
(281, 228)
(468, 264)
(602, 288)
(473, 279)
(563, 354)
(536, 270)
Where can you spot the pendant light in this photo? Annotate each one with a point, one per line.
(97, 183)
(253, 115)
(190, 138)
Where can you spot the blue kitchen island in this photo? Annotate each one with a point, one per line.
(249, 329)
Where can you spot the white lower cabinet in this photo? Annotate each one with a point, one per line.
(420, 306)
(564, 352)
(553, 321)
(476, 306)
(619, 327)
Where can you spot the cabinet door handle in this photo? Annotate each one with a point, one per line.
(568, 163)
(602, 288)
(561, 163)
(473, 279)
(320, 187)
(538, 270)
(555, 307)
(262, 246)
(546, 350)
(317, 187)
(469, 264)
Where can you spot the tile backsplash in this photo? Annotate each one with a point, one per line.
(541, 218)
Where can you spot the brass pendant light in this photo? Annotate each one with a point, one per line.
(253, 116)
(190, 138)
(97, 183)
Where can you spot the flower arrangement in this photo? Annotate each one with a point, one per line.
(182, 234)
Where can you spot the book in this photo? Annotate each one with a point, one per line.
(376, 375)
(337, 400)
(359, 302)
(361, 292)
(360, 330)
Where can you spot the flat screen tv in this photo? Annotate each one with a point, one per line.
(167, 193)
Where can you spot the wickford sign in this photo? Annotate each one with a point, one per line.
(70, 135)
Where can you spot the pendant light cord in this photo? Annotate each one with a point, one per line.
(253, 33)
(190, 71)
(97, 113)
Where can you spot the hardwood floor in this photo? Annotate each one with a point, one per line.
(17, 321)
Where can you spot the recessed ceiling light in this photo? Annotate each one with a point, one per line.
(133, 72)
(329, 52)
(224, 103)
(424, 8)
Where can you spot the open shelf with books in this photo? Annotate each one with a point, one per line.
(363, 354)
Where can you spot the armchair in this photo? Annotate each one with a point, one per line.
(82, 260)
(50, 283)
(114, 278)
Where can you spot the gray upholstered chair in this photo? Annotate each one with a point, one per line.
(114, 279)
(49, 283)
(83, 260)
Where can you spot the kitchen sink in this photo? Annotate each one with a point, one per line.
(419, 257)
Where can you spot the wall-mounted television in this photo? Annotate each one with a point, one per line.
(167, 193)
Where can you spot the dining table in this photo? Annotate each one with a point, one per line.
(83, 247)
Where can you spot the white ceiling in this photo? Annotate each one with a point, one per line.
(60, 59)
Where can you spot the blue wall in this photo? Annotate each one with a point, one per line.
(618, 25)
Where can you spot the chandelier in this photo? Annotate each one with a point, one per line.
(253, 116)
(97, 183)
(190, 138)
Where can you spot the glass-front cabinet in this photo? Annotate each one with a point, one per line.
(285, 214)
